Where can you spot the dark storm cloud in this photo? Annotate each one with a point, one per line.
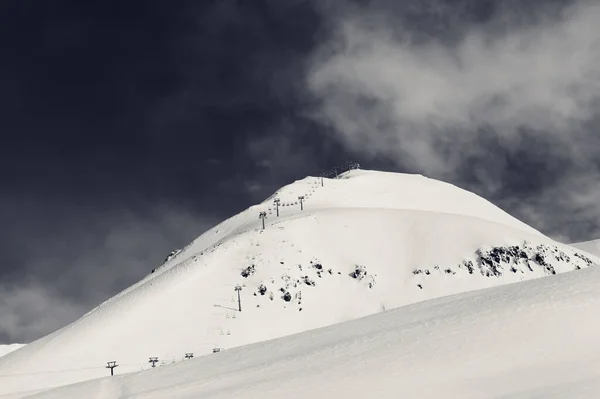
(500, 98)
(143, 88)
(59, 262)
(128, 128)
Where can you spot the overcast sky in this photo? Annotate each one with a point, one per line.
(129, 128)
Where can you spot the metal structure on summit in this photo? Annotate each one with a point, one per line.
(153, 360)
(338, 170)
(301, 198)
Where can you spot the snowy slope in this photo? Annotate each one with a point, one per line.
(6, 349)
(364, 243)
(537, 339)
(592, 247)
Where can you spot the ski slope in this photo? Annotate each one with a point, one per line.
(537, 339)
(365, 243)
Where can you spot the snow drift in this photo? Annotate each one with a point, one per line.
(351, 247)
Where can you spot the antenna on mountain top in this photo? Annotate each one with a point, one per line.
(111, 366)
(153, 360)
(189, 355)
(277, 202)
(238, 288)
(301, 198)
(262, 216)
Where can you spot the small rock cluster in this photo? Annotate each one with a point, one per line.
(171, 255)
(360, 273)
(248, 271)
(290, 286)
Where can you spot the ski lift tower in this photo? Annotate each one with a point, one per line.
(111, 366)
(262, 216)
(238, 288)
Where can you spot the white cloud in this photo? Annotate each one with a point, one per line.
(506, 106)
(390, 95)
(31, 310)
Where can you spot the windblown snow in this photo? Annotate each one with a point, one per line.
(351, 247)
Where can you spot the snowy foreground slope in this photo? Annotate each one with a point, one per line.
(536, 339)
(364, 243)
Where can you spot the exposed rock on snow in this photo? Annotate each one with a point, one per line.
(248, 271)
(520, 259)
(359, 272)
(262, 289)
(172, 255)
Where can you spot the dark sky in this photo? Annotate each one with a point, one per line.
(130, 127)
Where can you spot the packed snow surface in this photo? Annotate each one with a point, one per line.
(367, 242)
(537, 339)
(6, 349)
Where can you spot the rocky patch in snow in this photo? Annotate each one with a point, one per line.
(498, 261)
(248, 271)
(288, 287)
(360, 273)
(262, 289)
(172, 255)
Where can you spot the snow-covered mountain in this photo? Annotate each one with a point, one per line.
(592, 247)
(536, 339)
(352, 247)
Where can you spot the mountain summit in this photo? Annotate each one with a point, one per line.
(340, 249)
